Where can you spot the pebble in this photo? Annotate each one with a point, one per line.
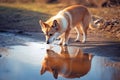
(111, 26)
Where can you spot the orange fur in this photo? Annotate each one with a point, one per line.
(65, 65)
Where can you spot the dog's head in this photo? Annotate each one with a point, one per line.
(50, 30)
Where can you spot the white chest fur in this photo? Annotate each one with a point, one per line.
(62, 21)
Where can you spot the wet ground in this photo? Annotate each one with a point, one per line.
(27, 57)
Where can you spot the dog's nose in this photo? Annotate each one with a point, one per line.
(47, 42)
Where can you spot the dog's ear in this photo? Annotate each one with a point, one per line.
(55, 73)
(51, 53)
(55, 24)
(42, 24)
(43, 70)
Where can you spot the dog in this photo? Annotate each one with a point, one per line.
(67, 63)
(60, 25)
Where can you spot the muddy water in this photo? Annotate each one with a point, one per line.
(38, 61)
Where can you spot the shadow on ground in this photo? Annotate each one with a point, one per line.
(8, 39)
(19, 19)
(101, 48)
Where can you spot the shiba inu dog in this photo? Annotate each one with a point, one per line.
(68, 63)
(60, 25)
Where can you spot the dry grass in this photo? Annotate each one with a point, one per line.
(107, 13)
(37, 7)
(52, 9)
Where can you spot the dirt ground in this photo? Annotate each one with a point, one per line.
(21, 18)
(26, 19)
(21, 21)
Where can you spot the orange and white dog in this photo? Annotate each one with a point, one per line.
(60, 25)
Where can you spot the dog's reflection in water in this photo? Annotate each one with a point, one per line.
(67, 64)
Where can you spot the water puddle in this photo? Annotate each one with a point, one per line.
(38, 61)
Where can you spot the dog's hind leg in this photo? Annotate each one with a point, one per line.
(77, 28)
(84, 34)
(84, 28)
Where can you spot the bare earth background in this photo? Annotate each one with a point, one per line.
(24, 17)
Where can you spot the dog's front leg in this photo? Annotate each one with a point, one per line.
(66, 38)
(61, 39)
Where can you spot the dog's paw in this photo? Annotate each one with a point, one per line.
(83, 41)
(76, 40)
(58, 39)
(65, 44)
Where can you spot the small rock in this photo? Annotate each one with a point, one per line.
(107, 23)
